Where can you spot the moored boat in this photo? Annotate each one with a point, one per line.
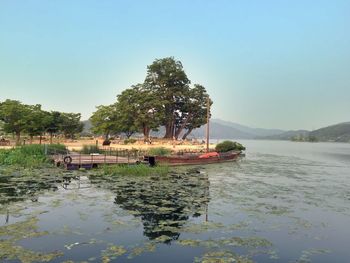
(194, 159)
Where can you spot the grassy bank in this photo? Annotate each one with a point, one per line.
(29, 156)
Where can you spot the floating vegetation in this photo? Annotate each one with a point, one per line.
(137, 251)
(222, 257)
(112, 252)
(250, 242)
(11, 234)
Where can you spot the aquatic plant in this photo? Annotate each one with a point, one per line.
(227, 146)
(138, 170)
(9, 248)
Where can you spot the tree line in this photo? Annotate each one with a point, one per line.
(18, 118)
(165, 98)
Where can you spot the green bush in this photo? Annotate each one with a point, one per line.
(227, 146)
(87, 149)
(159, 151)
(130, 141)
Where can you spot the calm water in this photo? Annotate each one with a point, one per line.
(283, 202)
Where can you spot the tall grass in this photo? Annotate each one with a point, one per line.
(87, 149)
(29, 156)
(159, 151)
(135, 170)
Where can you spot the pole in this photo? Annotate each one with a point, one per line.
(208, 117)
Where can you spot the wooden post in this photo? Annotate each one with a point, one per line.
(208, 116)
(128, 156)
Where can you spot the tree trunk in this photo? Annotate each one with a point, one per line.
(146, 131)
(106, 136)
(183, 125)
(40, 138)
(51, 137)
(168, 130)
(31, 139)
(187, 133)
(18, 138)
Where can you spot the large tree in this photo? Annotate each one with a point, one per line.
(139, 109)
(37, 122)
(14, 116)
(54, 123)
(104, 120)
(167, 78)
(70, 124)
(197, 108)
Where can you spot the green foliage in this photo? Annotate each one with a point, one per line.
(104, 120)
(28, 156)
(130, 141)
(227, 146)
(70, 124)
(37, 121)
(135, 170)
(139, 109)
(14, 116)
(159, 151)
(87, 149)
(165, 98)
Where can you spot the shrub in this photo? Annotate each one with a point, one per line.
(87, 149)
(130, 141)
(227, 146)
(159, 151)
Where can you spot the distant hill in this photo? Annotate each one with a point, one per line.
(288, 135)
(255, 132)
(334, 133)
(337, 133)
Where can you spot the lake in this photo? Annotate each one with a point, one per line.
(282, 202)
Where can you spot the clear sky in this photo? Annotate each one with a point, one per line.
(270, 64)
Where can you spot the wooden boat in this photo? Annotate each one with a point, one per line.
(194, 159)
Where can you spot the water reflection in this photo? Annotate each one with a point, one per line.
(163, 204)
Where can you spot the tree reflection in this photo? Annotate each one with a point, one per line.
(164, 204)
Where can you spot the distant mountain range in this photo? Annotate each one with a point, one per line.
(334, 133)
(220, 129)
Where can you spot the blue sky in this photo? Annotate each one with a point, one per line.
(270, 64)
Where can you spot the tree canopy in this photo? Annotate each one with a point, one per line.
(18, 118)
(164, 99)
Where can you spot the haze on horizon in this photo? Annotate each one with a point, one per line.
(266, 64)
